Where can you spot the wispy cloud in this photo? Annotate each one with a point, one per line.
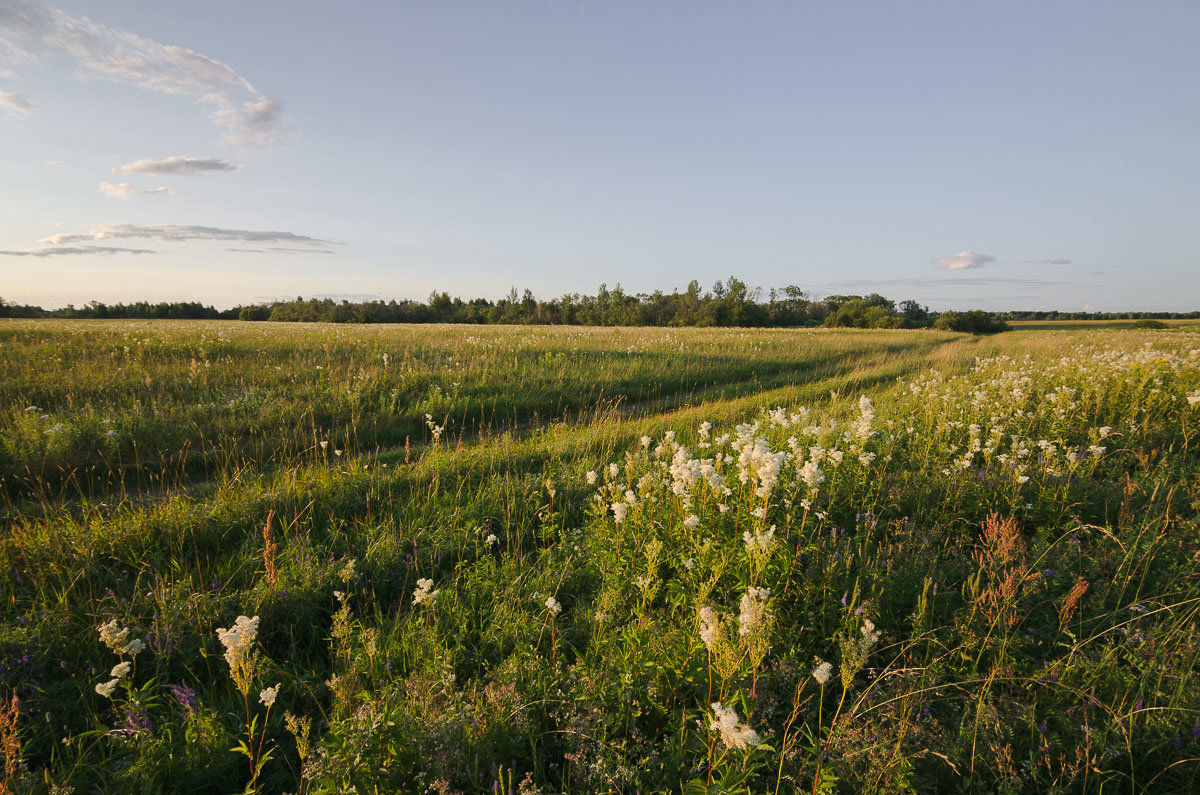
(943, 282)
(279, 250)
(964, 260)
(177, 233)
(1060, 261)
(236, 105)
(124, 190)
(58, 251)
(179, 166)
(15, 104)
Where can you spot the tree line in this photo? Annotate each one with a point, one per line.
(727, 303)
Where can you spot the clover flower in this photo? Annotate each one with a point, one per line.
(734, 733)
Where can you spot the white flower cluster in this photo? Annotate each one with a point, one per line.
(822, 672)
(734, 733)
(239, 639)
(117, 639)
(425, 594)
(752, 613)
(553, 606)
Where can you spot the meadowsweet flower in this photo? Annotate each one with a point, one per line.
(691, 521)
(734, 733)
(710, 627)
(760, 542)
(619, 510)
(613, 470)
(491, 540)
(239, 642)
(870, 635)
(106, 688)
(133, 647)
(553, 605)
(267, 696)
(812, 475)
(752, 610)
(823, 672)
(112, 636)
(705, 429)
(425, 593)
(121, 669)
(1105, 431)
(1193, 398)
(591, 477)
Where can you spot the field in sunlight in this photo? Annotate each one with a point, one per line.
(317, 558)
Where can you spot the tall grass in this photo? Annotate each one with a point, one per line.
(646, 560)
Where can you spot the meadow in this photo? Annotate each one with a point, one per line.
(450, 559)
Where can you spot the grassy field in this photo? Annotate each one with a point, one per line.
(308, 558)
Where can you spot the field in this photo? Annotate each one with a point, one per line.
(315, 558)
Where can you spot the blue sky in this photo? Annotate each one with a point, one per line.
(1007, 155)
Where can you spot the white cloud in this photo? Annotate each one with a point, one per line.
(124, 57)
(278, 250)
(963, 260)
(56, 251)
(55, 163)
(15, 104)
(124, 190)
(179, 166)
(1089, 308)
(176, 233)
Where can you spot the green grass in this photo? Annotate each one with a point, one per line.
(1032, 610)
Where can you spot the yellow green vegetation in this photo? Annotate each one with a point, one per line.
(307, 558)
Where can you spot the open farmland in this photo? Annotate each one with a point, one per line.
(476, 559)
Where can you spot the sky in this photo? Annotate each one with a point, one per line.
(1017, 155)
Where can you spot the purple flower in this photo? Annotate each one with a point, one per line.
(185, 697)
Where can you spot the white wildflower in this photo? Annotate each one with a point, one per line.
(106, 688)
(267, 696)
(133, 647)
(121, 670)
(822, 673)
(591, 477)
(425, 593)
(734, 733)
(619, 510)
(553, 605)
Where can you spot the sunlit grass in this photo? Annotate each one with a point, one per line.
(983, 577)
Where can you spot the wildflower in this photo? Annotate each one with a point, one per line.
(691, 521)
(133, 647)
(753, 610)
(267, 696)
(299, 728)
(106, 688)
(550, 488)
(425, 593)
(812, 475)
(591, 477)
(734, 733)
(613, 470)
(710, 627)
(705, 429)
(645, 441)
(239, 641)
(112, 637)
(324, 445)
(760, 542)
(185, 697)
(822, 673)
(491, 540)
(553, 605)
(619, 510)
(1105, 431)
(121, 669)
(870, 635)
